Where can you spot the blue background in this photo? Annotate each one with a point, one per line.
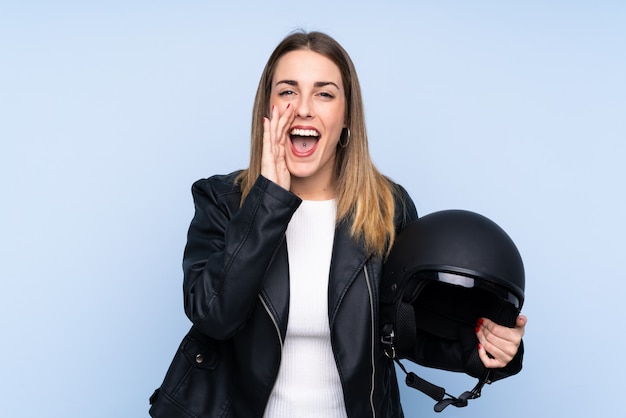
(110, 110)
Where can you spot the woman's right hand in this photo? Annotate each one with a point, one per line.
(275, 141)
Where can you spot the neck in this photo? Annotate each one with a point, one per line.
(310, 189)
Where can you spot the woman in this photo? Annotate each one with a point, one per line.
(283, 260)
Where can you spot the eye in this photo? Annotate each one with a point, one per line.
(326, 95)
(286, 93)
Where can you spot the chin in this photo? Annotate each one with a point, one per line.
(301, 173)
(312, 167)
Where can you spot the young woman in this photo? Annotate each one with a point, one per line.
(283, 260)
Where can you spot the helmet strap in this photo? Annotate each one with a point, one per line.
(439, 394)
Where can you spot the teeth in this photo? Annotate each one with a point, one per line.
(304, 132)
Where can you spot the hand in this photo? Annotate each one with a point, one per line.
(275, 139)
(498, 344)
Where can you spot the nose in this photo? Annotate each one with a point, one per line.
(304, 108)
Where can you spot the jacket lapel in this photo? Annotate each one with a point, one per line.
(348, 258)
(276, 288)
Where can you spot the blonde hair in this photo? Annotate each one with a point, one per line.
(364, 196)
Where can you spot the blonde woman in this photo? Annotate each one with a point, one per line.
(283, 259)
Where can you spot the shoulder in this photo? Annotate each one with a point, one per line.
(405, 210)
(218, 184)
(217, 190)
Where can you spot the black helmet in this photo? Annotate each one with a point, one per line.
(444, 272)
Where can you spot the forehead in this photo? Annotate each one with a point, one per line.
(306, 66)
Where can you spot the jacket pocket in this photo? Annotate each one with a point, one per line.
(198, 382)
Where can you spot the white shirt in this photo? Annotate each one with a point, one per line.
(308, 383)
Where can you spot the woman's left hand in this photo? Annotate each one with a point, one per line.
(498, 344)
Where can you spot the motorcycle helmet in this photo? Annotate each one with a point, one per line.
(444, 272)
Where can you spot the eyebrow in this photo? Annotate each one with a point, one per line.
(316, 84)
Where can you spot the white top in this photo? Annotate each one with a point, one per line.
(308, 383)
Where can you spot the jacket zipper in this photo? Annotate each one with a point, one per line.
(371, 295)
(280, 338)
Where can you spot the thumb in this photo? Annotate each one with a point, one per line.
(521, 321)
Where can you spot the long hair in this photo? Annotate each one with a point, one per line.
(364, 195)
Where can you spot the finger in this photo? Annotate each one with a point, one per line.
(492, 329)
(284, 123)
(267, 155)
(489, 360)
(499, 341)
(500, 331)
(501, 351)
(266, 129)
(268, 150)
(273, 128)
(498, 351)
(506, 339)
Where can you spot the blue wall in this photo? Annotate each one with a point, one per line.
(110, 110)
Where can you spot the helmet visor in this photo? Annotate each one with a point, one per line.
(445, 303)
(470, 282)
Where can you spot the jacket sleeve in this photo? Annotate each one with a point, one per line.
(228, 251)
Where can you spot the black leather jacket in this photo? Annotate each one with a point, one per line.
(236, 290)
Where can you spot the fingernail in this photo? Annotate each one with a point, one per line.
(289, 104)
(480, 346)
(480, 322)
(272, 108)
(477, 329)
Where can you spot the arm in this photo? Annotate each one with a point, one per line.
(228, 251)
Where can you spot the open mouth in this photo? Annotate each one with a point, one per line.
(303, 141)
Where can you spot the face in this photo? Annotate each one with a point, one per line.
(311, 84)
